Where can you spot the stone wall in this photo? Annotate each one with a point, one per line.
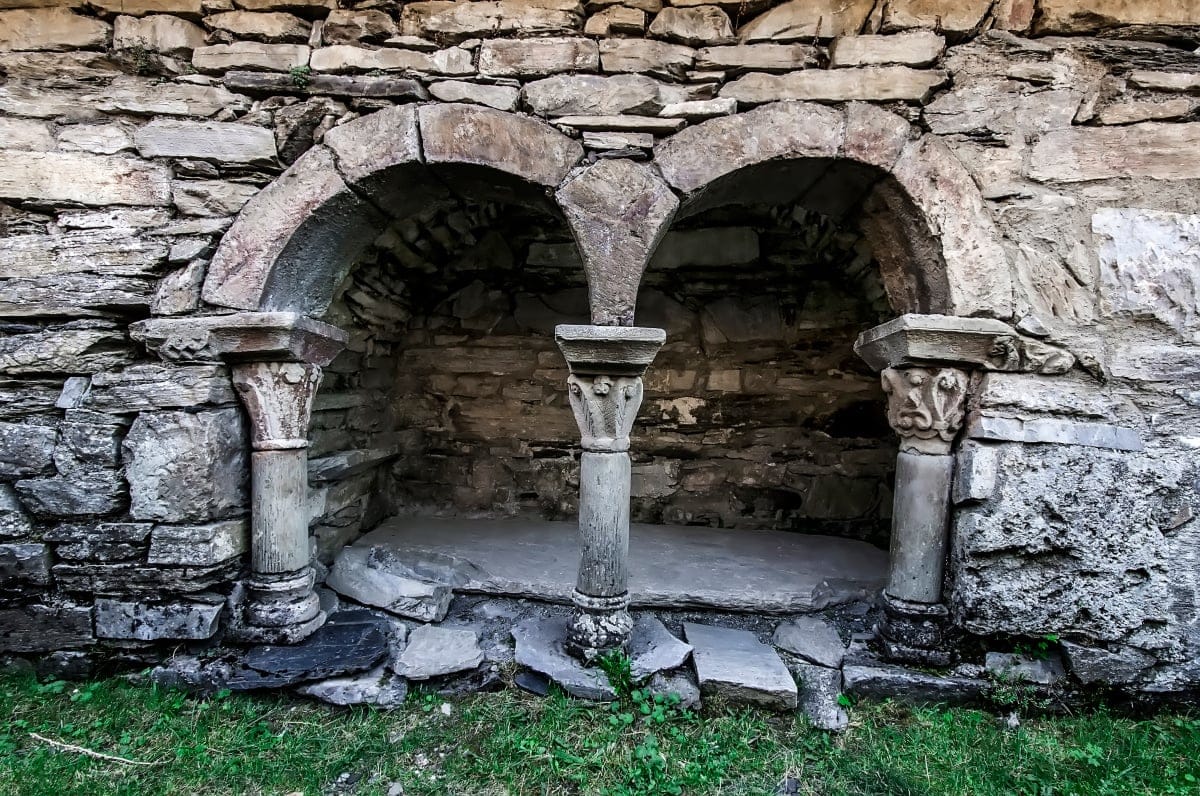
(132, 133)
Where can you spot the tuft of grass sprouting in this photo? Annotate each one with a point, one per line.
(514, 743)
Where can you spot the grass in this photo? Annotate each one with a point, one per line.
(515, 743)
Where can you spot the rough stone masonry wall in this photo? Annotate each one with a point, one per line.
(131, 131)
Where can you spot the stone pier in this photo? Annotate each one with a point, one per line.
(606, 364)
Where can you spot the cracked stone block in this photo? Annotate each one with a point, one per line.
(24, 564)
(1026, 668)
(25, 450)
(375, 581)
(820, 688)
(436, 651)
(334, 650)
(540, 648)
(185, 467)
(156, 621)
(653, 648)
(378, 687)
(198, 545)
(813, 639)
(43, 628)
(735, 665)
(880, 681)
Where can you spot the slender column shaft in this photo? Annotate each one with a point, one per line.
(604, 480)
(920, 519)
(279, 505)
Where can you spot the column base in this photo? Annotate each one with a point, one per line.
(912, 632)
(600, 625)
(278, 609)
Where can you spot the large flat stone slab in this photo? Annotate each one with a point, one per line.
(670, 566)
(436, 651)
(735, 665)
(540, 648)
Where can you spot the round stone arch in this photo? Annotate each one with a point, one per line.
(294, 242)
(938, 251)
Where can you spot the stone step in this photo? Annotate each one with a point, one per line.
(735, 665)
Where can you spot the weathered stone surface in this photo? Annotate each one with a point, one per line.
(344, 26)
(378, 688)
(14, 522)
(24, 564)
(758, 57)
(879, 681)
(1164, 81)
(320, 85)
(820, 688)
(1150, 266)
(137, 8)
(25, 449)
(381, 583)
(159, 33)
(592, 95)
(334, 650)
(802, 20)
(101, 139)
(537, 57)
(86, 179)
(737, 666)
(540, 647)
(140, 96)
(699, 155)
(958, 17)
(520, 146)
(680, 684)
(811, 638)
(105, 252)
(485, 18)
(1150, 149)
(157, 621)
(837, 85)
(64, 350)
(26, 134)
(603, 205)
(437, 651)
(198, 545)
(210, 197)
(1123, 585)
(1091, 16)
(617, 140)
(1100, 665)
(250, 55)
(224, 142)
(653, 649)
(616, 20)
(696, 26)
(1016, 667)
(1130, 111)
(699, 109)
(185, 467)
(345, 58)
(143, 388)
(917, 48)
(41, 628)
(50, 29)
(268, 27)
(655, 126)
(102, 542)
(502, 98)
(657, 58)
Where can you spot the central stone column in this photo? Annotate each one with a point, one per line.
(606, 364)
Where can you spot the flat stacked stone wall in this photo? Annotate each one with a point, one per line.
(132, 133)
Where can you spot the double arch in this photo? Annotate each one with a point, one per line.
(295, 240)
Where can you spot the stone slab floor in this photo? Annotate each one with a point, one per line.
(670, 566)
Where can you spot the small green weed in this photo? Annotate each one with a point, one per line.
(301, 76)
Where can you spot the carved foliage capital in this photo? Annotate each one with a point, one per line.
(605, 407)
(925, 406)
(278, 397)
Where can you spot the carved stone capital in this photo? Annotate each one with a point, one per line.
(278, 397)
(925, 406)
(605, 407)
(241, 336)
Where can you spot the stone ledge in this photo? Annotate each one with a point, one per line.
(1061, 432)
(259, 336)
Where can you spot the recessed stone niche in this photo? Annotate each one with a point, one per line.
(451, 400)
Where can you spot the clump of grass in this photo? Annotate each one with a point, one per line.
(515, 743)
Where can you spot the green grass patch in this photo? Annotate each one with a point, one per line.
(515, 743)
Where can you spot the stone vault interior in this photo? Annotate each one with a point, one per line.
(450, 404)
